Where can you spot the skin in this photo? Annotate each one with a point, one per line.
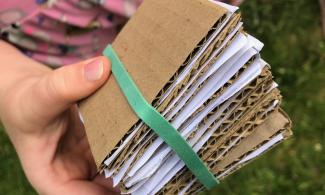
(39, 112)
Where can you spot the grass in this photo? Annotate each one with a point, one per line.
(294, 47)
(12, 178)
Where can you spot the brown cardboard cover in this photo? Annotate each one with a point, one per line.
(126, 153)
(152, 46)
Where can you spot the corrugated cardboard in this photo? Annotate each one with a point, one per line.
(255, 117)
(262, 133)
(276, 122)
(255, 89)
(125, 154)
(161, 103)
(152, 46)
(155, 46)
(153, 137)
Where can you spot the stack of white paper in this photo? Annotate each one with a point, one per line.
(228, 111)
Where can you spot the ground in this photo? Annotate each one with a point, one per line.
(295, 49)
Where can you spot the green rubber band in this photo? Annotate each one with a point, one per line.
(158, 123)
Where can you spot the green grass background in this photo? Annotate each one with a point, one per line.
(295, 49)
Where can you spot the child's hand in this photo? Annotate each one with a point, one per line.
(37, 107)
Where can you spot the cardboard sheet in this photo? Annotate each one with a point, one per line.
(152, 51)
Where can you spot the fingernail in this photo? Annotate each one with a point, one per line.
(94, 70)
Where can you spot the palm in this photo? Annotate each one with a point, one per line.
(72, 161)
(55, 152)
(73, 151)
(37, 109)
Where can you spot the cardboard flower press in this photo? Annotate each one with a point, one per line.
(189, 102)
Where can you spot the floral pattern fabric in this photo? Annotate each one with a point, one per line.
(59, 32)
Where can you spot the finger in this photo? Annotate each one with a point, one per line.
(59, 89)
(106, 182)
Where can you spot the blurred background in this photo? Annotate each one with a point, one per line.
(295, 48)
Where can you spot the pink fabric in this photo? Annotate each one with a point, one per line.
(13, 11)
(59, 32)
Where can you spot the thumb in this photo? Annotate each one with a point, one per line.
(61, 88)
